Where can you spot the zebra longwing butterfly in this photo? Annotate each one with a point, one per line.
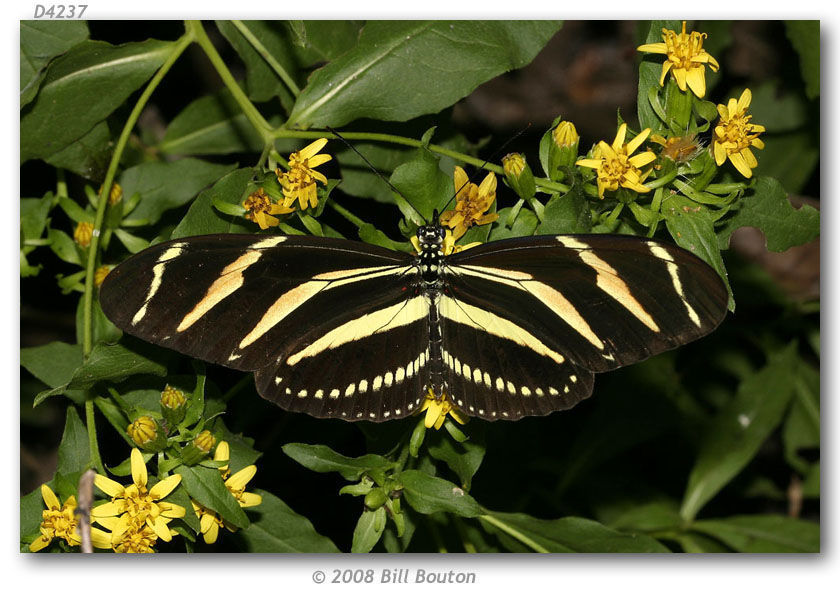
(345, 329)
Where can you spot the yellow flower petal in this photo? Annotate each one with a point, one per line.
(679, 77)
(654, 48)
(99, 538)
(222, 451)
(739, 163)
(249, 499)
(109, 509)
(40, 543)
(170, 510)
(618, 142)
(317, 161)
(138, 469)
(641, 159)
(637, 141)
(591, 163)
(109, 486)
(240, 479)
(720, 153)
(696, 80)
(432, 414)
(744, 100)
(666, 66)
(313, 148)
(50, 499)
(749, 157)
(159, 527)
(162, 488)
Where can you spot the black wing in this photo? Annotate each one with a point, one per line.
(331, 327)
(537, 316)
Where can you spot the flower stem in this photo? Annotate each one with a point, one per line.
(251, 113)
(267, 57)
(346, 213)
(93, 442)
(514, 533)
(87, 320)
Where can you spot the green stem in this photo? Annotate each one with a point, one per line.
(346, 213)
(87, 329)
(251, 113)
(267, 57)
(93, 442)
(282, 132)
(514, 533)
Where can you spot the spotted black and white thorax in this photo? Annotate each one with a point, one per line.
(344, 329)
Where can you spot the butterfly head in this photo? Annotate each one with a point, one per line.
(430, 237)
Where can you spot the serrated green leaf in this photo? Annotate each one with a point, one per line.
(402, 60)
(213, 124)
(277, 528)
(88, 155)
(115, 362)
(368, 530)
(569, 534)
(763, 533)
(524, 225)
(323, 459)
(74, 449)
(53, 363)
(766, 206)
(207, 488)
(465, 458)
(202, 218)
(740, 428)
(568, 213)
(804, 36)
(427, 494)
(423, 185)
(319, 41)
(81, 89)
(40, 42)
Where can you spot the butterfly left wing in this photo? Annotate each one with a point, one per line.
(332, 328)
(542, 314)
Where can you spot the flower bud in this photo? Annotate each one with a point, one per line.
(375, 498)
(563, 150)
(173, 405)
(144, 432)
(199, 448)
(115, 195)
(83, 233)
(100, 274)
(518, 175)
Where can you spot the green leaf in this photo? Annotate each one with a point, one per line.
(82, 88)
(789, 158)
(692, 227)
(202, 218)
(213, 124)
(33, 216)
(164, 186)
(420, 66)
(323, 459)
(650, 70)
(740, 428)
(180, 497)
(763, 533)
(31, 512)
(262, 82)
(277, 528)
(115, 362)
(802, 426)
(423, 185)
(804, 36)
(464, 459)
(40, 42)
(320, 41)
(207, 488)
(568, 213)
(53, 363)
(74, 449)
(427, 494)
(766, 206)
(64, 247)
(652, 516)
(87, 156)
(570, 534)
(524, 224)
(368, 530)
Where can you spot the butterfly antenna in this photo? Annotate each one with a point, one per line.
(367, 162)
(494, 155)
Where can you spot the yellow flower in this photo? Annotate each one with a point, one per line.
(686, 59)
(471, 202)
(437, 408)
(300, 182)
(142, 431)
(115, 195)
(565, 134)
(60, 521)
(172, 398)
(680, 149)
(260, 208)
(133, 506)
(205, 441)
(100, 274)
(616, 167)
(136, 539)
(83, 233)
(734, 134)
(210, 521)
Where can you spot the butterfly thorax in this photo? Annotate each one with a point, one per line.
(430, 241)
